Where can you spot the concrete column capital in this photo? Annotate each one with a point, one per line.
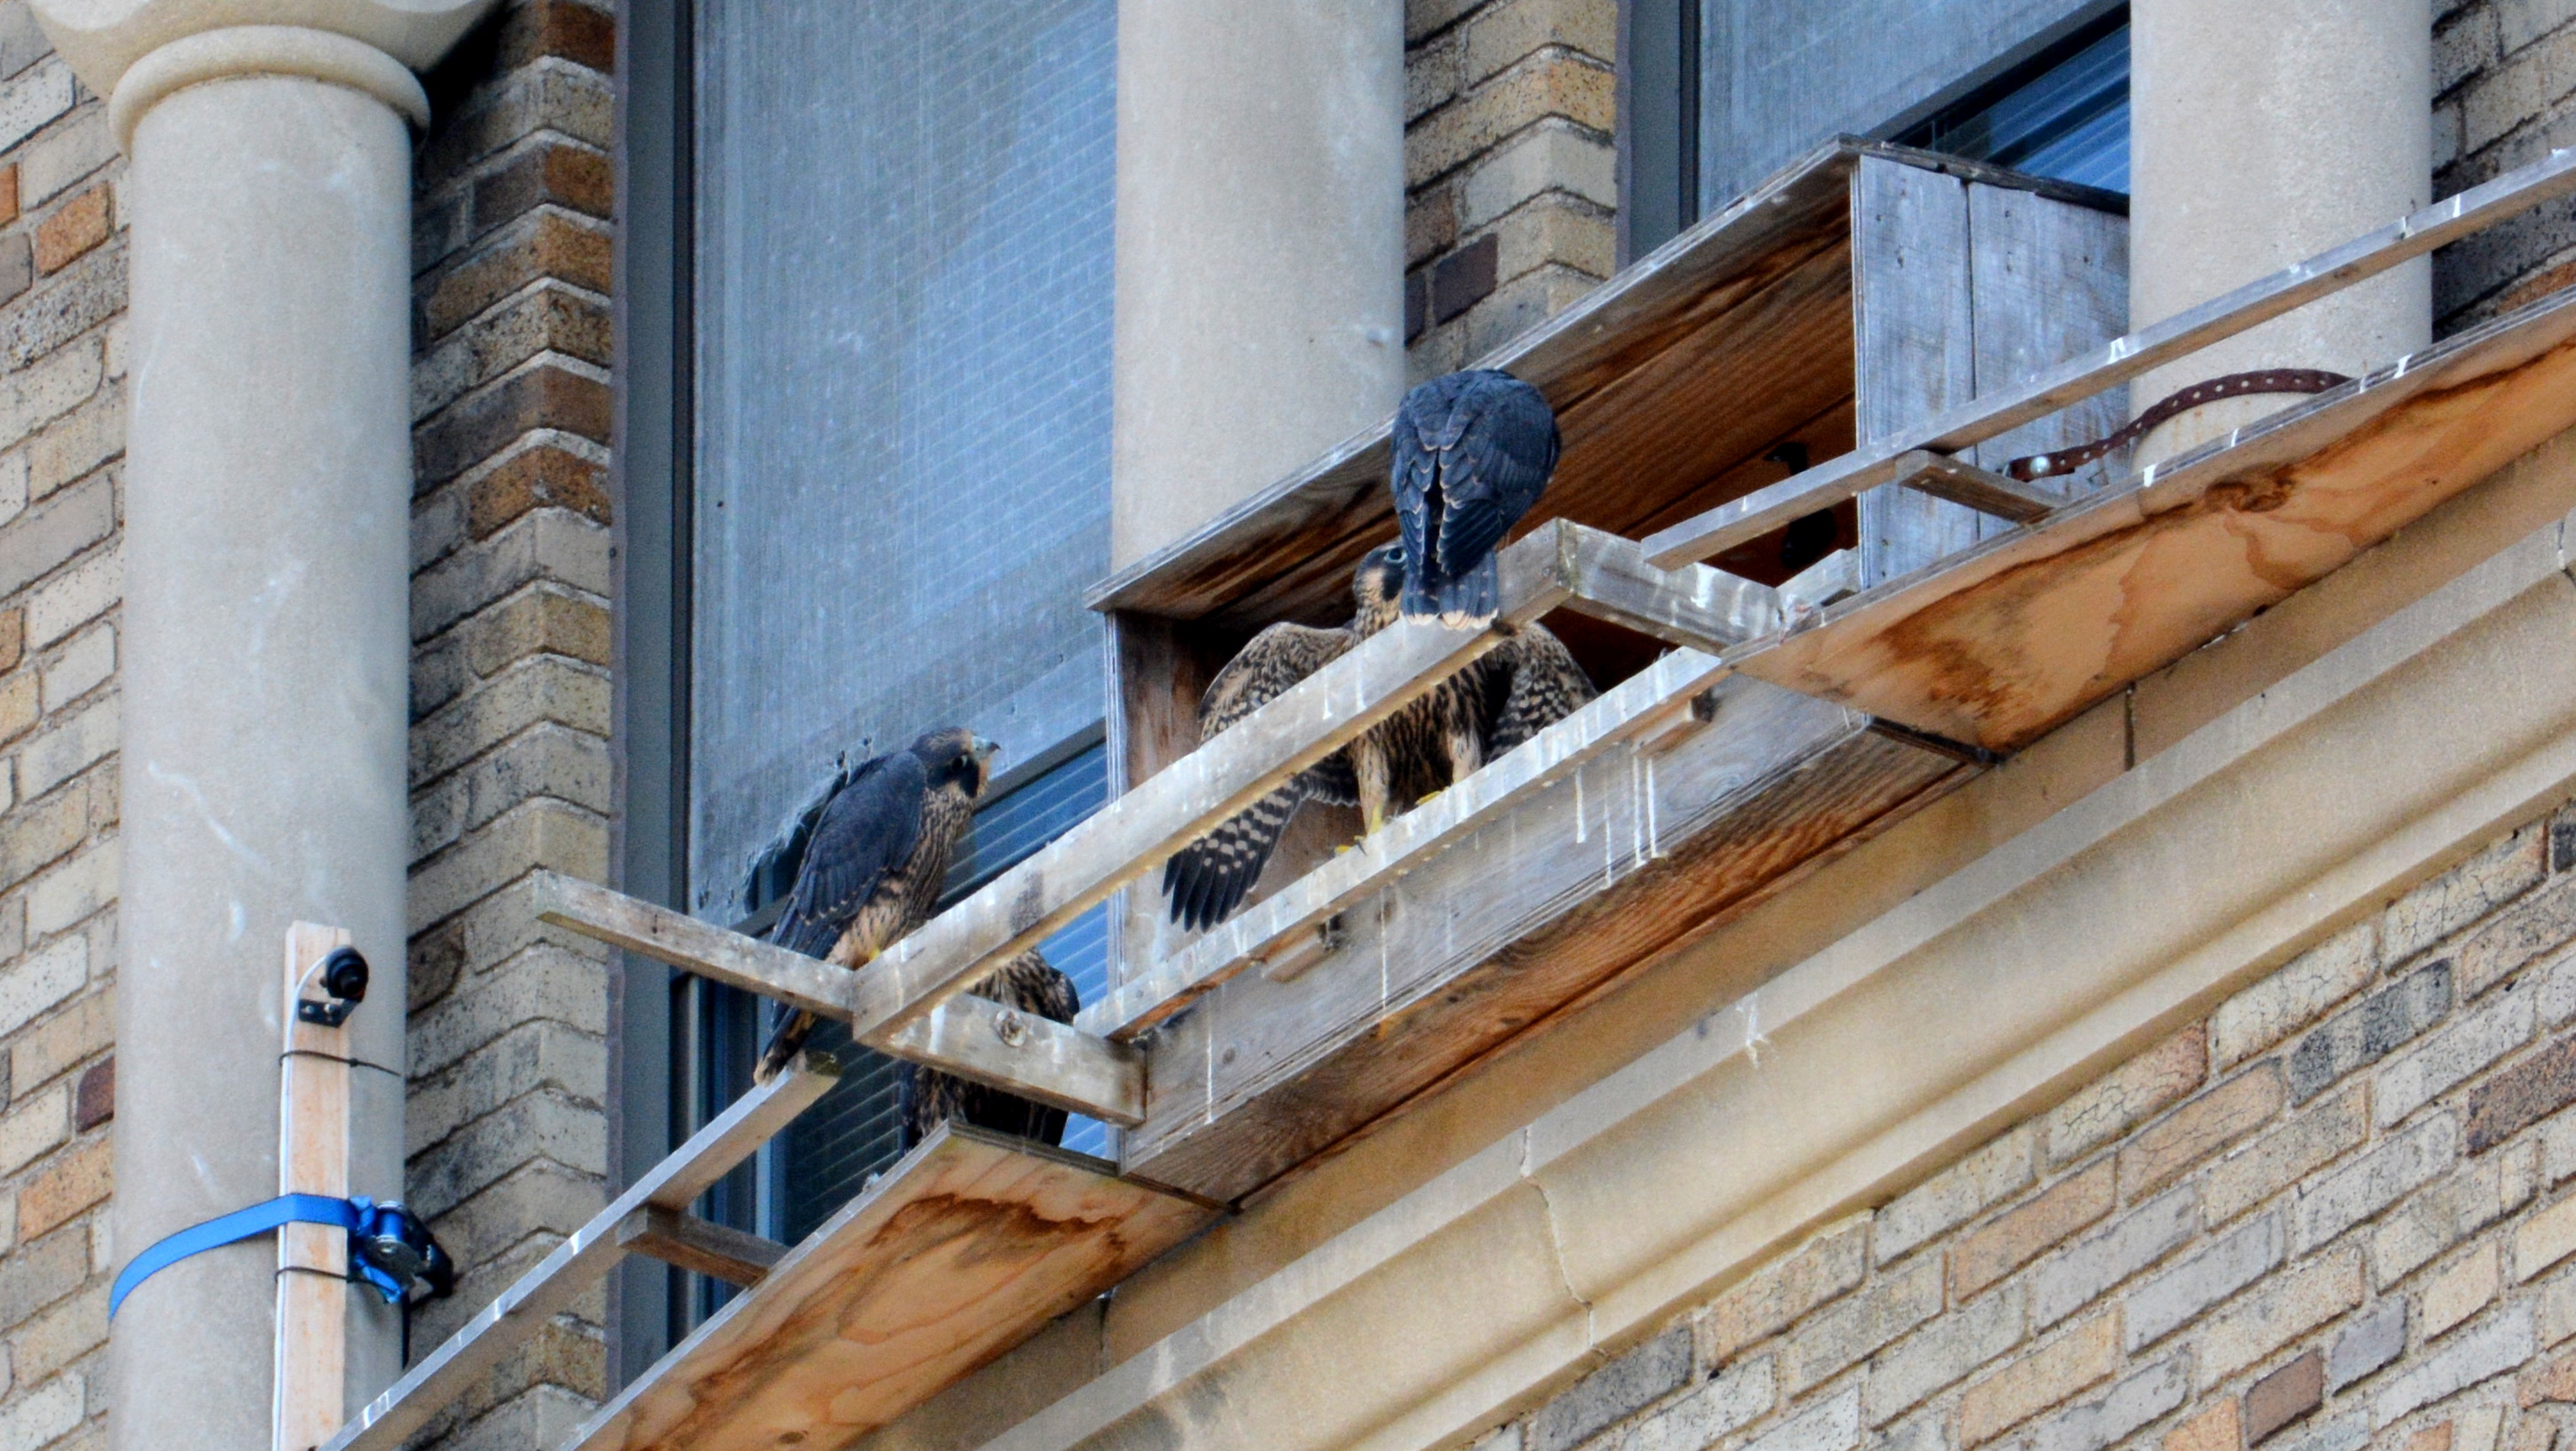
(135, 52)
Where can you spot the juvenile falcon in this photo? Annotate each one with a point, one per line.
(1519, 688)
(930, 1098)
(1473, 451)
(877, 861)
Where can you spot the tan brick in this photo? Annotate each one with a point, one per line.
(2201, 1127)
(2294, 995)
(84, 1028)
(1556, 229)
(2128, 1096)
(34, 835)
(2462, 895)
(2017, 1238)
(2280, 1309)
(75, 227)
(540, 620)
(2553, 1381)
(1860, 1324)
(76, 1179)
(2215, 1428)
(8, 194)
(1825, 1267)
(2436, 1437)
(1553, 84)
(2083, 1357)
(548, 244)
(61, 1335)
(77, 444)
(2460, 1291)
(1500, 34)
(19, 696)
(2539, 923)
(539, 478)
(2545, 1239)
(2322, 1133)
(1956, 1195)
(34, 1127)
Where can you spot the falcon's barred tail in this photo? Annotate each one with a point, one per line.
(783, 1045)
(1207, 879)
(1463, 602)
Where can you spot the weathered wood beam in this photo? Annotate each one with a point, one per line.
(1282, 924)
(555, 1281)
(970, 1037)
(1693, 606)
(718, 1251)
(1984, 490)
(2117, 361)
(1079, 869)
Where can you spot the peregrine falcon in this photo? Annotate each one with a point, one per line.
(877, 860)
(929, 1097)
(1473, 451)
(1519, 688)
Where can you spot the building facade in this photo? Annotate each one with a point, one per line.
(778, 382)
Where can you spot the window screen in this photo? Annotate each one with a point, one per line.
(2066, 116)
(902, 327)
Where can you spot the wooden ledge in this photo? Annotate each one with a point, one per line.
(968, 1246)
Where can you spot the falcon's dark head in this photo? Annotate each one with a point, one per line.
(1374, 587)
(959, 756)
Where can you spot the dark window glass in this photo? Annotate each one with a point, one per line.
(2067, 116)
(826, 1156)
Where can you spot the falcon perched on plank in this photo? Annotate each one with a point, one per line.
(1508, 695)
(1473, 450)
(930, 1098)
(877, 861)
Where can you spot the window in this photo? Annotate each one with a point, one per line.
(2066, 116)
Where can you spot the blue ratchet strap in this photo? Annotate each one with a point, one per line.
(353, 1215)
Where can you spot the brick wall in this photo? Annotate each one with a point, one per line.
(507, 1133)
(1510, 179)
(2339, 1211)
(62, 427)
(2504, 81)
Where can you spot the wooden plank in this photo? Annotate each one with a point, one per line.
(554, 1282)
(1998, 495)
(1914, 344)
(1138, 831)
(2023, 632)
(699, 1245)
(1263, 931)
(1697, 607)
(1640, 848)
(2121, 359)
(973, 1039)
(312, 1158)
(1718, 344)
(2049, 279)
(1156, 678)
(965, 1248)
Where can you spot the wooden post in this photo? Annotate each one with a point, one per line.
(312, 1259)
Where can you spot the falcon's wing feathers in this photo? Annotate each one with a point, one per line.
(1207, 879)
(1506, 447)
(869, 829)
(1547, 685)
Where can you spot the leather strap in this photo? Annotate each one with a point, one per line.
(2234, 385)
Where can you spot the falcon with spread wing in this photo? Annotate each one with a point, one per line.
(1519, 688)
(929, 1098)
(877, 860)
(1473, 451)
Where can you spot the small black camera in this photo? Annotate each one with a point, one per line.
(344, 978)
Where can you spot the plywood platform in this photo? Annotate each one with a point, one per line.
(2002, 643)
(968, 1246)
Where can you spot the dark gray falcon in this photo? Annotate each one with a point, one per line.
(930, 1098)
(1511, 693)
(1473, 451)
(877, 861)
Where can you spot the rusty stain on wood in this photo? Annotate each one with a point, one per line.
(965, 1248)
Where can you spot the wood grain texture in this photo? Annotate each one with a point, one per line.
(570, 1268)
(1915, 346)
(962, 1250)
(1729, 525)
(1635, 850)
(1998, 496)
(2049, 281)
(691, 1243)
(2026, 631)
(312, 1158)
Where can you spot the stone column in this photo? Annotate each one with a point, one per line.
(2262, 135)
(1260, 253)
(265, 637)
